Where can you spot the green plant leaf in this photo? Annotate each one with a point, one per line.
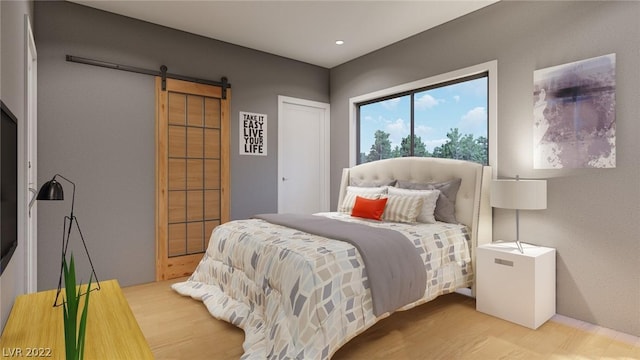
(77, 336)
(69, 309)
(74, 332)
(68, 336)
(70, 290)
(83, 322)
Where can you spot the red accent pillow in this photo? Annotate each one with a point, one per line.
(369, 208)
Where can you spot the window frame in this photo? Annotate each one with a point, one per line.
(490, 68)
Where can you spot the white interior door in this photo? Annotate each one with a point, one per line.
(31, 150)
(303, 156)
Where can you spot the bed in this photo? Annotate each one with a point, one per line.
(300, 295)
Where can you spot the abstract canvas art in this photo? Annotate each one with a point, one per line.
(574, 115)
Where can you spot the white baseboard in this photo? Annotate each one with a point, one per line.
(595, 329)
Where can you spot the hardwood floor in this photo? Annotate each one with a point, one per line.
(449, 327)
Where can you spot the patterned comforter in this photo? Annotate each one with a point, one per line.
(302, 296)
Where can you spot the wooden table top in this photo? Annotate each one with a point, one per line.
(35, 327)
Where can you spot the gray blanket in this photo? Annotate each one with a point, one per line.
(395, 270)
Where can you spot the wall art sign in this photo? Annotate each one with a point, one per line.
(253, 134)
(574, 115)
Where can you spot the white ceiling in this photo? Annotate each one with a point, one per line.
(298, 29)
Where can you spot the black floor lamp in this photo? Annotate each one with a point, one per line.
(52, 190)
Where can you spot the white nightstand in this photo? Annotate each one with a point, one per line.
(517, 287)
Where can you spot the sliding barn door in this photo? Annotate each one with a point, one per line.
(192, 172)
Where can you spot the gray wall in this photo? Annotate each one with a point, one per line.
(96, 127)
(12, 86)
(592, 217)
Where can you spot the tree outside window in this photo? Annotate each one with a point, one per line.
(447, 120)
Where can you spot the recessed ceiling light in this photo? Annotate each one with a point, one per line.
(339, 42)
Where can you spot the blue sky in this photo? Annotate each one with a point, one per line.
(462, 105)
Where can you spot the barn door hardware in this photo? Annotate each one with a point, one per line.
(223, 83)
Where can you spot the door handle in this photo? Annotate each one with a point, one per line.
(284, 178)
(33, 199)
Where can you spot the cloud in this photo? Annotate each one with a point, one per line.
(431, 144)
(456, 98)
(427, 101)
(391, 103)
(474, 121)
(397, 130)
(423, 131)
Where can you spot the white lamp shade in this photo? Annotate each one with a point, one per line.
(519, 194)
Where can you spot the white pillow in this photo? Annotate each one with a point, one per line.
(402, 208)
(429, 199)
(365, 192)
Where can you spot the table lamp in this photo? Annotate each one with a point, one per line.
(519, 195)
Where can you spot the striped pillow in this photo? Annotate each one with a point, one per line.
(402, 208)
(429, 200)
(365, 192)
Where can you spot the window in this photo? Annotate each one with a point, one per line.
(447, 119)
(427, 113)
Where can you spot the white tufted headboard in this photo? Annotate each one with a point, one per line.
(472, 201)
